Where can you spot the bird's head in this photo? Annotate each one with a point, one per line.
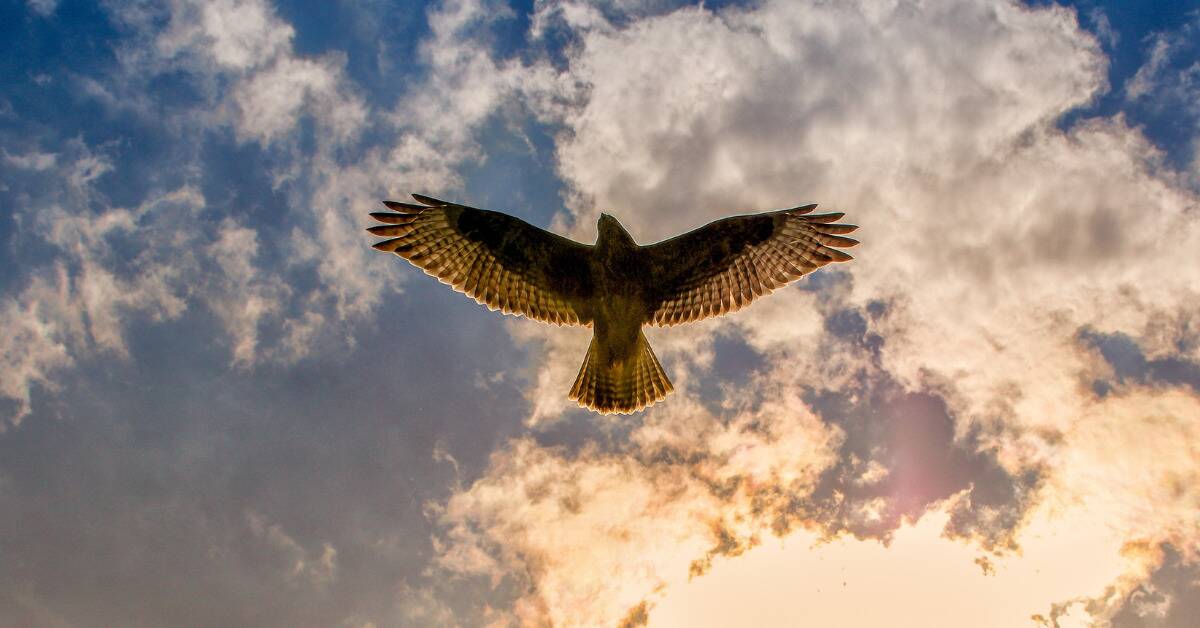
(611, 232)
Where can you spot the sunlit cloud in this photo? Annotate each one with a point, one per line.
(599, 534)
(992, 240)
(991, 413)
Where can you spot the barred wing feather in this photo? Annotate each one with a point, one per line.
(500, 261)
(724, 265)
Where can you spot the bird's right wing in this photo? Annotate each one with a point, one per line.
(724, 265)
(500, 261)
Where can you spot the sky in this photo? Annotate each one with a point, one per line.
(220, 406)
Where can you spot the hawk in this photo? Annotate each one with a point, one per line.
(614, 286)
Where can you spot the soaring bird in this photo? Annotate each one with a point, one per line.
(613, 286)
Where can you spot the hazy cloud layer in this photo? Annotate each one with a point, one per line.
(211, 384)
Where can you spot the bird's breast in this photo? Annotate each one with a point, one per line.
(622, 290)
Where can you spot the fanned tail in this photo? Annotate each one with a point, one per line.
(620, 386)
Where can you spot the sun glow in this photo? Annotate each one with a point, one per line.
(921, 578)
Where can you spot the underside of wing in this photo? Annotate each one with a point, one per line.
(499, 260)
(723, 266)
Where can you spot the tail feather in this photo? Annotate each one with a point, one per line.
(620, 386)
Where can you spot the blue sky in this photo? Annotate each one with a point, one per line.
(219, 406)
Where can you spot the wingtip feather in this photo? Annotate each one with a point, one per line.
(404, 208)
(429, 200)
(393, 219)
(825, 218)
(390, 230)
(839, 241)
(835, 229)
(387, 246)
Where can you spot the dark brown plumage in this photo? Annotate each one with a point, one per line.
(614, 286)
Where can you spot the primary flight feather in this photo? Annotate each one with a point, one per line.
(613, 286)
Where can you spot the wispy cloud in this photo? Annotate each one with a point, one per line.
(239, 57)
(78, 304)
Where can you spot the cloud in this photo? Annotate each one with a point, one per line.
(421, 607)
(1164, 74)
(45, 8)
(1168, 86)
(271, 89)
(806, 578)
(432, 133)
(283, 292)
(592, 537)
(79, 302)
(235, 34)
(1132, 462)
(242, 293)
(114, 266)
(33, 347)
(957, 382)
(991, 239)
(31, 161)
(299, 565)
(269, 104)
(241, 56)
(245, 40)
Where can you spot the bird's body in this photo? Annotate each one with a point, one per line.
(614, 286)
(619, 368)
(617, 273)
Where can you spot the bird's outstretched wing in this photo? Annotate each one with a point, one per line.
(500, 261)
(724, 265)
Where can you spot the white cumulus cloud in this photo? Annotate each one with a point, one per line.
(992, 239)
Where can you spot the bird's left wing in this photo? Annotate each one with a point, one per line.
(724, 265)
(500, 261)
